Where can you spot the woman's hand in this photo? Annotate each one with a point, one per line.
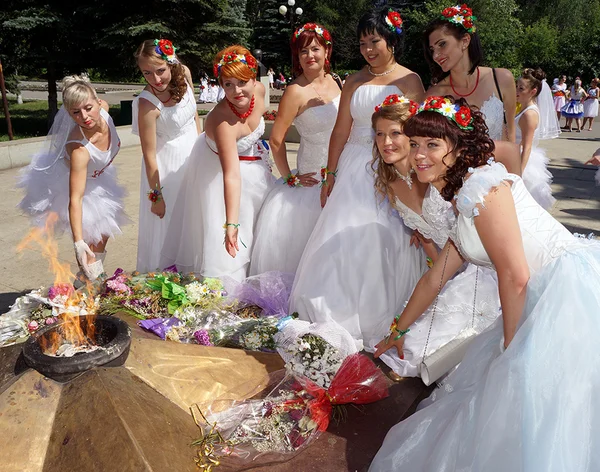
(159, 208)
(595, 160)
(327, 188)
(388, 343)
(308, 180)
(84, 256)
(231, 240)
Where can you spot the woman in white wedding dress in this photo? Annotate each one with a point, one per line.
(227, 180)
(165, 118)
(469, 303)
(524, 399)
(311, 102)
(536, 176)
(357, 268)
(453, 50)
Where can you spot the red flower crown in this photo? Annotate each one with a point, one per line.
(314, 28)
(396, 99)
(165, 49)
(232, 57)
(461, 115)
(460, 15)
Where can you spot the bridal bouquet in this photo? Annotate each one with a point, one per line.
(286, 415)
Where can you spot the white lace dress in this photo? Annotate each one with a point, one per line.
(357, 268)
(194, 242)
(289, 214)
(535, 406)
(47, 190)
(176, 134)
(536, 176)
(455, 316)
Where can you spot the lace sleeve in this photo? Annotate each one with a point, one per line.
(439, 214)
(478, 185)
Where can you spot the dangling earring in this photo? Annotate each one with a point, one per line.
(393, 50)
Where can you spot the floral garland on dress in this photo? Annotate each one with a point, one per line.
(460, 15)
(232, 57)
(315, 28)
(165, 49)
(393, 20)
(461, 115)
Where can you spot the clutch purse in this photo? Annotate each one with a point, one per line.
(449, 355)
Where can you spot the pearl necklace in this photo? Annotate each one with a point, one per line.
(242, 116)
(383, 73)
(405, 178)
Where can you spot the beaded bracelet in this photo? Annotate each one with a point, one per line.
(235, 225)
(324, 173)
(155, 195)
(394, 327)
(292, 180)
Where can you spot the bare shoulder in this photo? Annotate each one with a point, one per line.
(439, 90)
(77, 152)
(355, 80)
(504, 76)
(147, 107)
(104, 104)
(260, 88)
(411, 84)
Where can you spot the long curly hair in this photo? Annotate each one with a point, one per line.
(178, 85)
(384, 172)
(473, 147)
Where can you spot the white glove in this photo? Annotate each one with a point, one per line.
(82, 253)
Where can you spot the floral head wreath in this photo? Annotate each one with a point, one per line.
(165, 49)
(315, 28)
(461, 115)
(232, 57)
(460, 15)
(395, 99)
(393, 20)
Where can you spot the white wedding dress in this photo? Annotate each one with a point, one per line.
(536, 176)
(535, 406)
(358, 268)
(455, 316)
(194, 242)
(289, 214)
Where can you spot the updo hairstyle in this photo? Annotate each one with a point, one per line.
(534, 78)
(75, 91)
(373, 22)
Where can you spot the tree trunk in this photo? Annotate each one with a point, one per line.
(52, 94)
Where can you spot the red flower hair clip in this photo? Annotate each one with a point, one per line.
(460, 15)
(314, 28)
(165, 49)
(396, 99)
(393, 20)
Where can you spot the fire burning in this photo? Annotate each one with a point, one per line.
(77, 333)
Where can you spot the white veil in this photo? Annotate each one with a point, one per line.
(549, 127)
(53, 147)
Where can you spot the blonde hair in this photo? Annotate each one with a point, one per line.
(178, 85)
(384, 172)
(76, 90)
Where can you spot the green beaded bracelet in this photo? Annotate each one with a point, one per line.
(401, 333)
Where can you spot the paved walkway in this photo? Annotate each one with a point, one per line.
(577, 206)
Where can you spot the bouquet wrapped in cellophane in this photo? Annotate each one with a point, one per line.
(285, 416)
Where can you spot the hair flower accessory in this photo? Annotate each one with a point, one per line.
(461, 115)
(165, 49)
(460, 15)
(396, 99)
(233, 57)
(394, 21)
(314, 28)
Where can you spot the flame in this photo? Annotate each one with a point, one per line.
(74, 329)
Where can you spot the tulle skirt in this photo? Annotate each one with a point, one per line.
(357, 268)
(590, 108)
(454, 315)
(537, 178)
(171, 158)
(285, 223)
(573, 109)
(534, 407)
(194, 242)
(102, 208)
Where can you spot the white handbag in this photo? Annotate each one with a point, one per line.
(449, 355)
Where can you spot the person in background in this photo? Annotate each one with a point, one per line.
(573, 110)
(271, 76)
(590, 106)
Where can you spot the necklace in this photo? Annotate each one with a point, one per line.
(161, 100)
(314, 88)
(471, 92)
(241, 116)
(406, 178)
(383, 73)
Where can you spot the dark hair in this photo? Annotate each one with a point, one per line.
(534, 77)
(374, 22)
(473, 148)
(458, 31)
(302, 41)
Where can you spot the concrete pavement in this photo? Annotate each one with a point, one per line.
(577, 207)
